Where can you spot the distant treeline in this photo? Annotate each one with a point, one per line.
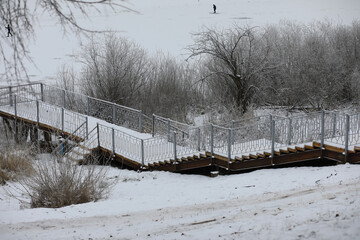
(292, 65)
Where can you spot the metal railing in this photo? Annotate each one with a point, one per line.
(42, 113)
(171, 139)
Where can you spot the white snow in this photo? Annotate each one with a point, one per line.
(291, 203)
(167, 25)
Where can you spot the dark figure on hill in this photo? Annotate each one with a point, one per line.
(9, 30)
(214, 7)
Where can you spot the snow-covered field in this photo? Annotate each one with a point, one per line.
(166, 25)
(292, 203)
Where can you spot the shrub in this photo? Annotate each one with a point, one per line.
(15, 163)
(56, 184)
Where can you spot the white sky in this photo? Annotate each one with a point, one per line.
(166, 25)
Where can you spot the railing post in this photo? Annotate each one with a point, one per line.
(212, 140)
(10, 96)
(87, 105)
(334, 125)
(37, 113)
(175, 154)
(289, 131)
(142, 153)
(272, 129)
(113, 140)
(153, 125)
(64, 98)
(322, 128)
(347, 132)
(140, 121)
(15, 106)
(42, 91)
(114, 113)
(87, 127)
(229, 145)
(62, 119)
(199, 139)
(98, 134)
(168, 129)
(232, 131)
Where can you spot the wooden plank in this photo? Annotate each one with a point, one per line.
(252, 156)
(183, 159)
(307, 147)
(291, 150)
(267, 154)
(238, 159)
(124, 160)
(351, 152)
(282, 151)
(244, 157)
(243, 165)
(334, 149)
(298, 157)
(354, 158)
(357, 149)
(316, 145)
(334, 156)
(261, 155)
(300, 149)
(203, 156)
(220, 157)
(161, 163)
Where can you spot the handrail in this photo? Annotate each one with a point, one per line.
(71, 137)
(21, 85)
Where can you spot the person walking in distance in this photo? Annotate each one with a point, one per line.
(214, 7)
(9, 30)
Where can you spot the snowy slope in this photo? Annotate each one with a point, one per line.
(292, 203)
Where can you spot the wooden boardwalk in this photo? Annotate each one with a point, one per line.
(312, 153)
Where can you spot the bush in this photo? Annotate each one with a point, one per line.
(57, 184)
(15, 164)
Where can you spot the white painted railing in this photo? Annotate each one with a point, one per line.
(66, 111)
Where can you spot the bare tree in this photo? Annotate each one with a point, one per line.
(66, 78)
(21, 17)
(114, 71)
(168, 91)
(237, 58)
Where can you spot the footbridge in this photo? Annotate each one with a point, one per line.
(138, 141)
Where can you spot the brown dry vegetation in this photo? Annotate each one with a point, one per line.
(14, 164)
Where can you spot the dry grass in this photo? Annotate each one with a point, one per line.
(15, 164)
(56, 184)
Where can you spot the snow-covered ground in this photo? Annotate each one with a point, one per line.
(291, 203)
(166, 25)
